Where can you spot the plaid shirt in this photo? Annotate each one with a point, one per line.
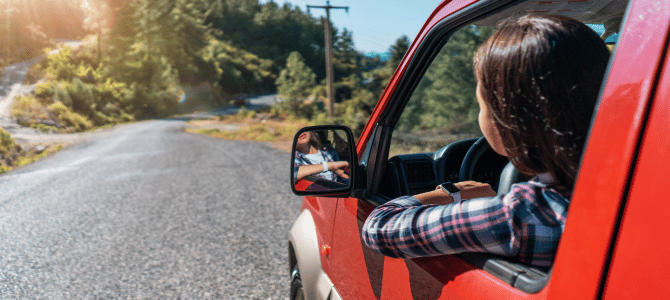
(328, 153)
(525, 224)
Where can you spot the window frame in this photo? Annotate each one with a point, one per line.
(522, 277)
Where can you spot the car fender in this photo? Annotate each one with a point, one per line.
(304, 243)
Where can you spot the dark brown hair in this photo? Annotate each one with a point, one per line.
(315, 140)
(540, 77)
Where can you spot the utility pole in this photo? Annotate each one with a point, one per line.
(329, 52)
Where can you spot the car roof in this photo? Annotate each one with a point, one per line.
(609, 13)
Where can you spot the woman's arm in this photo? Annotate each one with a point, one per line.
(406, 228)
(469, 190)
(339, 167)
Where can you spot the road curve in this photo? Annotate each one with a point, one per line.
(147, 211)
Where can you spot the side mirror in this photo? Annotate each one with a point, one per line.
(323, 161)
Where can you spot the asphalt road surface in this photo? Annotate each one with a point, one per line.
(147, 211)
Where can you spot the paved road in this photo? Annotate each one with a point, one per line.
(146, 211)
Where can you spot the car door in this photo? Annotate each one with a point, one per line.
(360, 273)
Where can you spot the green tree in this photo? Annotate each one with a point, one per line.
(137, 59)
(397, 51)
(344, 56)
(294, 83)
(446, 94)
(269, 31)
(175, 29)
(239, 71)
(297, 79)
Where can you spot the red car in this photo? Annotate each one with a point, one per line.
(613, 246)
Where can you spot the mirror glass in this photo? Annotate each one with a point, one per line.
(321, 160)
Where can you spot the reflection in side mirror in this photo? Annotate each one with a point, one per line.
(323, 160)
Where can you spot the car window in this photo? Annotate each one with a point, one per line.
(443, 108)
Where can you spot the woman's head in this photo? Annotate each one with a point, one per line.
(538, 78)
(308, 142)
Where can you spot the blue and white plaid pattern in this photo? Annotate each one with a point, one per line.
(328, 153)
(525, 224)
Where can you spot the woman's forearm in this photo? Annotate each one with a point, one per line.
(304, 171)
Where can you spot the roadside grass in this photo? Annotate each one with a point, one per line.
(13, 155)
(32, 156)
(29, 111)
(250, 126)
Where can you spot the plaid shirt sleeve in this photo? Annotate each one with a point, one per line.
(298, 160)
(526, 224)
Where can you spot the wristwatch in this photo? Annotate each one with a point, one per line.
(452, 191)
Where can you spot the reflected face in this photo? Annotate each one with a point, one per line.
(304, 137)
(486, 124)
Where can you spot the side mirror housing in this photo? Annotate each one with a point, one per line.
(323, 161)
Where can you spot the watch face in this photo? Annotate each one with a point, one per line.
(450, 187)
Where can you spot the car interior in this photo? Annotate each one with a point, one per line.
(420, 167)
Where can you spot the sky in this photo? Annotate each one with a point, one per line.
(375, 24)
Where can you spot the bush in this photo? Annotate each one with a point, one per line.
(34, 74)
(45, 91)
(61, 95)
(6, 142)
(28, 110)
(60, 65)
(71, 119)
(83, 101)
(44, 128)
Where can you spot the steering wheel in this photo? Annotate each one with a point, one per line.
(508, 176)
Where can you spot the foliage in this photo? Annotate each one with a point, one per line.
(77, 94)
(239, 71)
(175, 30)
(398, 51)
(28, 110)
(446, 94)
(70, 118)
(297, 79)
(6, 142)
(270, 31)
(17, 156)
(344, 56)
(294, 84)
(27, 28)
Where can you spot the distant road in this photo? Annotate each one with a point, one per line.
(147, 211)
(255, 103)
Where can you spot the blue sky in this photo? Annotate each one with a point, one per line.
(376, 24)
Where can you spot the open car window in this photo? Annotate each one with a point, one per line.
(443, 108)
(438, 123)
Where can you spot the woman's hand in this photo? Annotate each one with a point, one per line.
(473, 189)
(341, 168)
